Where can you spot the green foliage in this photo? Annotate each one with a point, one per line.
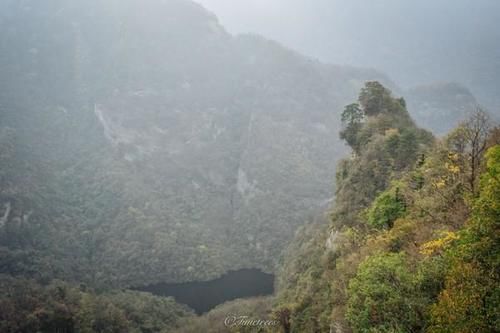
(352, 118)
(99, 315)
(214, 320)
(386, 142)
(352, 114)
(27, 306)
(470, 301)
(303, 286)
(404, 147)
(321, 264)
(383, 296)
(117, 174)
(386, 208)
(429, 261)
(373, 97)
(75, 206)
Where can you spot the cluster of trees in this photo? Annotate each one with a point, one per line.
(470, 299)
(224, 318)
(413, 239)
(27, 306)
(411, 244)
(162, 203)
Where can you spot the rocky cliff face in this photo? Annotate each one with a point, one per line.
(146, 144)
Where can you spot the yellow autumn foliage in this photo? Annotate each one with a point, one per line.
(431, 247)
(452, 168)
(440, 183)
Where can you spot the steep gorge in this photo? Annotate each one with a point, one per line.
(159, 149)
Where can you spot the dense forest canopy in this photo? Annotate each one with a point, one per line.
(412, 241)
(141, 144)
(186, 153)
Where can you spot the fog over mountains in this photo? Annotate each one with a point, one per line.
(141, 142)
(414, 42)
(191, 149)
(164, 142)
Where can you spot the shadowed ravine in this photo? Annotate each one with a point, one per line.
(205, 295)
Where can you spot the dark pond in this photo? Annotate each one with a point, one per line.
(203, 296)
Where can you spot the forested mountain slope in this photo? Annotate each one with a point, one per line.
(411, 243)
(142, 143)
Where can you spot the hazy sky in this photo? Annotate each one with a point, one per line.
(413, 41)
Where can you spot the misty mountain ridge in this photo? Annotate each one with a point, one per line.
(414, 42)
(185, 153)
(145, 148)
(190, 137)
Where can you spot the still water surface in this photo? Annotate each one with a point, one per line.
(205, 295)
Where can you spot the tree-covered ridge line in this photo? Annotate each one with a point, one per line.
(164, 152)
(28, 306)
(412, 243)
(128, 159)
(136, 151)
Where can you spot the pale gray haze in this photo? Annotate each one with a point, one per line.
(415, 42)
